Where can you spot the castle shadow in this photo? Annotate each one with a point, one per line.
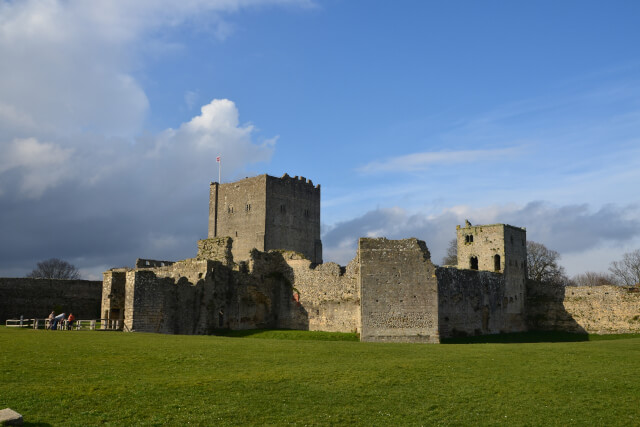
(519, 338)
(546, 318)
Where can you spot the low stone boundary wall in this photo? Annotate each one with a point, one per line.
(36, 298)
(590, 309)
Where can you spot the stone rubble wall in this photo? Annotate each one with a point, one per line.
(471, 302)
(312, 296)
(36, 298)
(197, 296)
(398, 291)
(329, 294)
(113, 293)
(142, 263)
(583, 309)
(217, 249)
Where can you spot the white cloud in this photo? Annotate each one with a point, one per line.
(40, 165)
(421, 161)
(173, 158)
(70, 66)
(216, 131)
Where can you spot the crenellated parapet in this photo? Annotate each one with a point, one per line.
(298, 180)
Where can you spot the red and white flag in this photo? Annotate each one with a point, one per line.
(218, 159)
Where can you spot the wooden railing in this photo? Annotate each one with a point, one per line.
(80, 324)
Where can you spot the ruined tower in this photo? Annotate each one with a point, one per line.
(500, 248)
(265, 212)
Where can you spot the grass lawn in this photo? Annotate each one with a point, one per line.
(111, 378)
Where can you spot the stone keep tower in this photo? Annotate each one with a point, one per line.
(500, 248)
(265, 212)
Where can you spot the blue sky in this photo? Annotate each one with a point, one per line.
(412, 115)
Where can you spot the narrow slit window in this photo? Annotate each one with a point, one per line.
(496, 262)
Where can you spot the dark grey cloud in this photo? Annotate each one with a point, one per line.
(340, 241)
(567, 229)
(575, 228)
(114, 200)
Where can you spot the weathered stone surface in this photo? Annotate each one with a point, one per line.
(9, 417)
(586, 309)
(500, 248)
(265, 212)
(391, 291)
(399, 291)
(471, 303)
(217, 249)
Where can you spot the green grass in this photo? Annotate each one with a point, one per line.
(110, 378)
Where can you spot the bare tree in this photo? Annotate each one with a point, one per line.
(542, 264)
(627, 270)
(591, 278)
(55, 268)
(452, 253)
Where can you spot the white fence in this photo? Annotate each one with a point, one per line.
(80, 324)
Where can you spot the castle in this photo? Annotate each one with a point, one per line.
(261, 267)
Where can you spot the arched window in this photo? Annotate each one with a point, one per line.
(496, 262)
(473, 262)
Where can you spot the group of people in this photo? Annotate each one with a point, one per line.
(54, 320)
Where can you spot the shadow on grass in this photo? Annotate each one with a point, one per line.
(286, 334)
(238, 334)
(519, 337)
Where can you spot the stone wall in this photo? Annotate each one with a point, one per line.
(309, 296)
(113, 294)
(584, 309)
(328, 293)
(217, 249)
(398, 291)
(36, 298)
(293, 216)
(498, 248)
(238, 210)
(265, 213)
(471, 303)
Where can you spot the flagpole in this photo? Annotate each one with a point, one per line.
(219, 160)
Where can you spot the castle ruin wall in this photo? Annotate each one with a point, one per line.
(398, 291)
(293, 216)
(470, 302)
(583, 309)
(113, 294)
(329, 294)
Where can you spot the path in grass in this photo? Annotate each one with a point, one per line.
(91, 378)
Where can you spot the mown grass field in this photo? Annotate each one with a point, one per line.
(275, 377)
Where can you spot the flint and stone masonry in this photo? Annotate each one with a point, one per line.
(261, 267)
(265, 212)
